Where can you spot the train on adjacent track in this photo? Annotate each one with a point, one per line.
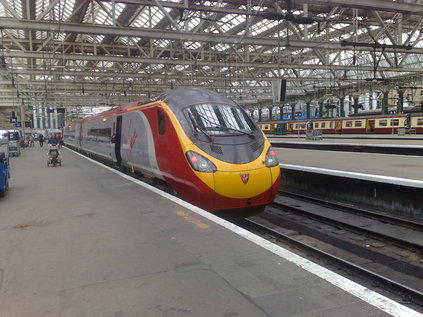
(200, 145)
(379, 124)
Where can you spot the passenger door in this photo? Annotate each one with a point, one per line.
(116, 140)
(338, 126)
(370, 126)
(80, 135)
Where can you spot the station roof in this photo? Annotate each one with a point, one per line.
(85, 53)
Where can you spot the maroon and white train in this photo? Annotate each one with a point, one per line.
(383, 124)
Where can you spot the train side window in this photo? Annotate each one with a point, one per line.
(383, 123)
(161, 122)
(394, 122)
(348, 124)
(419, 121)
(357, 124)
(323, 125)
(316, 125)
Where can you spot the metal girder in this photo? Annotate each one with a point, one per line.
(172, 35)
(40, 55)
(383, 5)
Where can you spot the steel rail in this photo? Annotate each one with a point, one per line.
(406, 293)
(395, 240)
(357, 210)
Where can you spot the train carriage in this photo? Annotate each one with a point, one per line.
(198, 143)
(378, 124)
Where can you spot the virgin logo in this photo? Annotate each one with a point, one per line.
(244, 178)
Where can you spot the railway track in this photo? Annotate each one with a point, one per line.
(384, 253)
(405, 233)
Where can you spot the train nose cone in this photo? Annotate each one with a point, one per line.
(243, 184)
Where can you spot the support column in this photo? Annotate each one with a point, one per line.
(320, 109)
(308, 115)
(293, 111)
(41, 117)
(400, 102)
(55, 122)
(280, 112)
(23, 119)
(385, 102)
(342, 106)
(355, 105)
(259, 113)
(34, 117)
(45, 117)
(50, 117)
(270, 113)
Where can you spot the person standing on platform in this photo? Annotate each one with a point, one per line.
(41, 140)
(53, 140)
(60, 140)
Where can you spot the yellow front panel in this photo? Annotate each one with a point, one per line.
(230, 184)
(228, 181)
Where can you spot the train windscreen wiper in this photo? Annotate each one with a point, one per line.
(251, 135)
(197, 127)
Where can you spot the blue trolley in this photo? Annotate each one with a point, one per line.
(4, 164)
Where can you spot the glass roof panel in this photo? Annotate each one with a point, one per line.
(149, 17)
(262, 26)
(192, 45)
(16, 6)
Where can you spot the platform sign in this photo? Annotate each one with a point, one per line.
(13, 119)
(18, 124)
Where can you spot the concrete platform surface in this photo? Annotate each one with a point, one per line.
(401, 166)
(80, 240)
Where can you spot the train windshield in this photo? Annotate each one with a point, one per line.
(219, 119)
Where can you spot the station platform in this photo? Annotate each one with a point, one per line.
(84, 240)
(397, 146)
(406, 167)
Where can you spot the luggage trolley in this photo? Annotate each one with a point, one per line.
(4, 163)
(14, 146)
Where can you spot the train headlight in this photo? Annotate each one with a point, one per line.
(200, 163)
(271, 158)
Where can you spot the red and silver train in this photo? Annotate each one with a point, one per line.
(384, 124)
(199, 143)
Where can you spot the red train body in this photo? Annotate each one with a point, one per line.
(201, 145)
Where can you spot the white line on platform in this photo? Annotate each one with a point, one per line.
(405, 146)
(382, 302)
(363, 176)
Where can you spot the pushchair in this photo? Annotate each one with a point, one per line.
(53, 156)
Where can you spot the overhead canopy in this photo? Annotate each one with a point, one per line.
(78, 53)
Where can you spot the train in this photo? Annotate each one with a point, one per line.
(196, 143)
(376, 124)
